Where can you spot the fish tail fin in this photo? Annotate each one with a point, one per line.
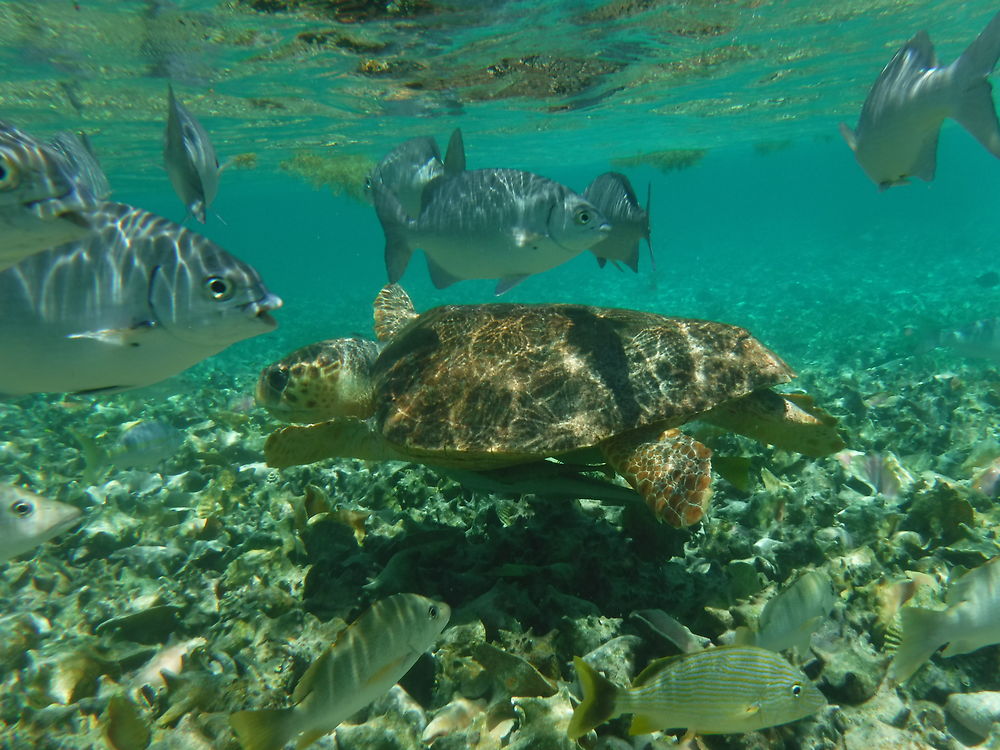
(975, 110)
(268, 729)
(95, 458)
(394, 221)
(599, 698)
(920, 639)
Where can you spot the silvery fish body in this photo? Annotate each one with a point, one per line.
(970, 621)
(724, 690)
(612, 194)
(138, 301)
(83, 167)
(40, 201)
(369, 657)
(789, 619)
(190, 158)
(980, 339)
(27, 520)
(406, 170)
(897, 133)
(490, 223)
(144, 445)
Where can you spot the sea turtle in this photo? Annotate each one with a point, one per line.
(478, 387)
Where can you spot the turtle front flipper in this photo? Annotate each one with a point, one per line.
(786, 420)
(672, 471)
(296, 445)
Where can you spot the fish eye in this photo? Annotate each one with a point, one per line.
(582, 217)
(10, 176)
(21, 508)
(433, 612)
(796, 690)
(219, 288)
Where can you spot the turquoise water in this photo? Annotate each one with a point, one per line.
(775, 228)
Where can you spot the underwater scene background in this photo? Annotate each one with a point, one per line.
(233, 577)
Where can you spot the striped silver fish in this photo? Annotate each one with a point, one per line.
(139, 300)
(612, 195)
(725, 690)
(190, 158)
(40, 201)
(789, 619)
(82, 163)
(369, 657)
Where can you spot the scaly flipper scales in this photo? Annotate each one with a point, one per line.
(672, 471)
(339, 438)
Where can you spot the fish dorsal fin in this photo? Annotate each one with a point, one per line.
(920, 50)
(654, 668)
(307, 681)
(454, 157)
(393, 311)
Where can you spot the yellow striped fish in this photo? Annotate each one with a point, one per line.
(368, 658)
(725, 690)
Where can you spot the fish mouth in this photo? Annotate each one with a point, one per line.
(261, 309)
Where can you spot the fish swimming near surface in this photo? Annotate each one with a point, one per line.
(190, 158)
(789, 619)
(27, 520)
(897, 133)
(369, 657)
(84, 169)
(488, 223)
(407, 169)
(41, 202)
(141, 445)
(723, 690)
(612, 194)
(970, 621)
(138, 301)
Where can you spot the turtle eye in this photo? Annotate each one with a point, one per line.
(277, 379)
(583, 217)
(21, 508)
(10, 175)
(219, 288)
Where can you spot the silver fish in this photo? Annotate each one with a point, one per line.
(369, 657)
(84, 168)
(896, 136)
(489, 223)
(141, 445)
(140, 300)
(789, 619)
(27, 520)
(612, 194)
(970, 621)
(190, 158)
(979, 339)
(40, 201)
(407, 169)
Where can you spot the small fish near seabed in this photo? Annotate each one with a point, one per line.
(40, 199)
(970, 621)
(190, 158)
(141, 445)
(978, 340)
(27, 520)
(407, 169)
(897, 134)
(140, 300)
(369, 657)
(488, 223)
(723, 690)
(789, 619)
(613, 196)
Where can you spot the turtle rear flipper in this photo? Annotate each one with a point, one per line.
(672, 471)
(296, 445)
(786, 420)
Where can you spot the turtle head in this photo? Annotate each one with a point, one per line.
(322, 381)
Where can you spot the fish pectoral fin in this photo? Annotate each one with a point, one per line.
(849, 136)
(751, 709)
(643, 725)
(394, 666)
(117, 336)
(509, 282)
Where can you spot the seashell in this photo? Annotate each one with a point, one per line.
(124, 727)
(74, 676)
(152, 625)
(977, 712)
(882, 473)
(987, 480)
(171, 659)
(400, 703)
(890, 596)
(452, 718)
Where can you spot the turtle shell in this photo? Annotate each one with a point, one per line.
(512, 382)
